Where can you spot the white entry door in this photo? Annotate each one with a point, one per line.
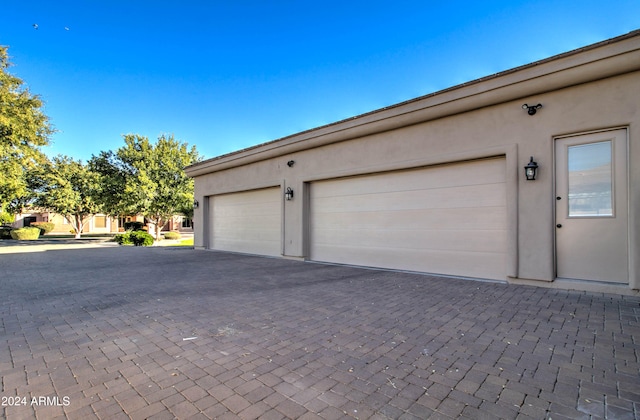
(592, 208)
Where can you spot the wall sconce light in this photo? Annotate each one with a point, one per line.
(291, 163)
(531, 109)
(196, 204)
(288, 194)
(530, 170)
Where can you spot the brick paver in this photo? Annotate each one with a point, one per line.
(109, 332)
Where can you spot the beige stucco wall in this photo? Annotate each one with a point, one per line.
(481, 128)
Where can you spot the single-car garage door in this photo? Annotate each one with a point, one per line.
(448, 219)
(247, 221)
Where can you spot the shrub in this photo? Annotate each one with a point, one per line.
(45, 227)
(172, 235)
(26, 233)
(133, 225)
(5, 232)
(137, 238)
(141, 238)
(123, 238)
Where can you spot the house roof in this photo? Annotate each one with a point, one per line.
(607, 58)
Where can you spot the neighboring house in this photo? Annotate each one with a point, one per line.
(437, 184)
(179, 223)
(98, 223)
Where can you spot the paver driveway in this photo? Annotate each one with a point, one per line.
(176, 333)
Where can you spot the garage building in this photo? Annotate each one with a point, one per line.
(439, 184)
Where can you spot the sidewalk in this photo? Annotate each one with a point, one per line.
(10, 246)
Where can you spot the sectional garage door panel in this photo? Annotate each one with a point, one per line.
(248, 221)
(445, 219)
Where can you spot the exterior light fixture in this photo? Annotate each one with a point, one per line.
(288, 194)
(291, 163)
(531, 109)
(196, 204)
(530, 170)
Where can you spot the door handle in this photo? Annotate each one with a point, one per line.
(558, 225)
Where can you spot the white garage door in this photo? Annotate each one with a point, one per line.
(247, 221)
(448, 219)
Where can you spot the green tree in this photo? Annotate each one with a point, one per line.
(148, 179)
(113, 176)
(24, 128)
(67, 187)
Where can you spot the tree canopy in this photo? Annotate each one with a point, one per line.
(69, 188)
(146, 178)
(24, 128)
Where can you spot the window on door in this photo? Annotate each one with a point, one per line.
(590, 180)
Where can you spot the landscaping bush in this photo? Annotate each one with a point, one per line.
(141, 238)
(5, 232)
(137, 238)
(133, 225)
(45, 227)
(26, 233)
(172, 235)
(123, 238)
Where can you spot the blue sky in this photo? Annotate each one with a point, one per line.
(225, 75)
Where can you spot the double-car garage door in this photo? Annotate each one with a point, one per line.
(446, 219)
